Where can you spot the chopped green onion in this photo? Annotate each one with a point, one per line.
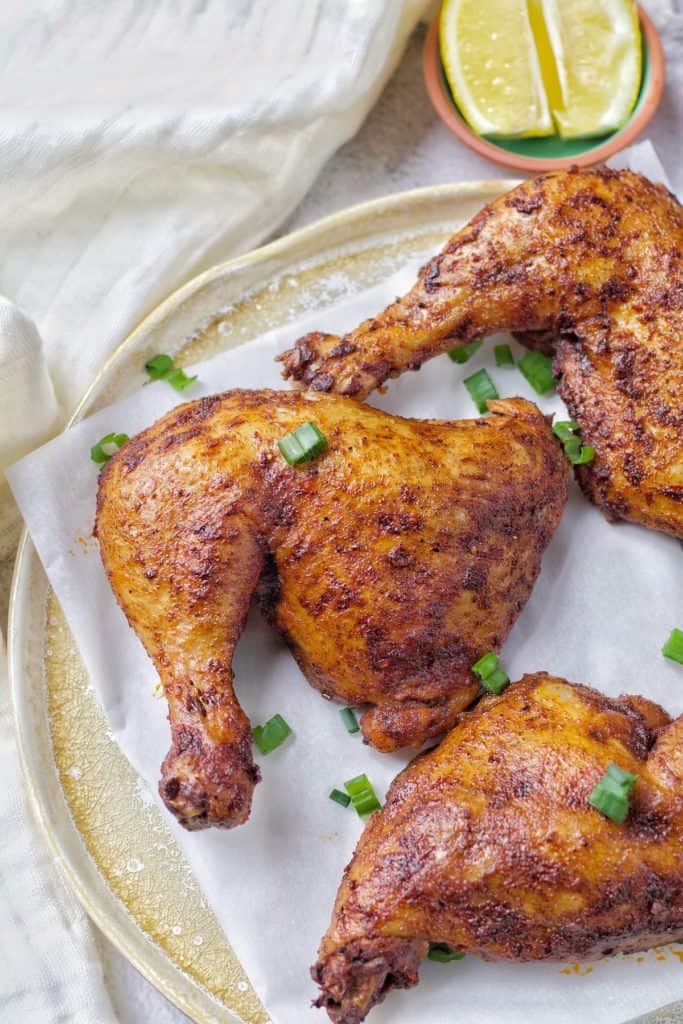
(481, 388)
(611, 795)
(578, 453)
(362, 795)
(621, 777)
(610, 801)
(586, 454)
(491, 674)
(486, 665)
(443, 954)
(503, 355)
(269, 736)
(106, 447)
(569, 432)
(158, 366)
(572, 448)
(349, 720)
(565, 429)
(673, 648)
(465, 352)
(179, 380)
(366, 803)
(340, 798)
(538, 370)
(302, 444)
(162, 367)
(356, 785)
(496, 682)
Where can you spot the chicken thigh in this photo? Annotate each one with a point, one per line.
(390, 563)
(587, 264)
(488, 844)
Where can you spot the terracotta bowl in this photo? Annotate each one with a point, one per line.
(553, 152)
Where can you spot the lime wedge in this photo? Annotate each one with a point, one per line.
(490, 59)
(597, 54)
(521, 68)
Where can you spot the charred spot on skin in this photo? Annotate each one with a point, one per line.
(322, 382)
(399, 522)
(474, 578)
(633, 470)
(524, 202)
(344, 348)
(430, 275)
(400, 558)
(171, 789)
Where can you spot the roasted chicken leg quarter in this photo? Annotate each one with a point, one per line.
(587, 265)
(390, 563)
(489, 844)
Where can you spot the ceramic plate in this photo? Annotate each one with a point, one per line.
(85, 793)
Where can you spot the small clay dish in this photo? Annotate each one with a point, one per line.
(552, 152)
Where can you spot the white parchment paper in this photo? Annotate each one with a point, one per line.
(606, 601)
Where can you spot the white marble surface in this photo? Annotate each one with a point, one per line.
(403, 145)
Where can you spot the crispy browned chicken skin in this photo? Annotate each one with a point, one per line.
(589, 264)
(390, 564)
(488, 844)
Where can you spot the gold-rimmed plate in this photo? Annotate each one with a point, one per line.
(85, 793)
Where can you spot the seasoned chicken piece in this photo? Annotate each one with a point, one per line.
(390, 563)
(587, 264)
(488, 844)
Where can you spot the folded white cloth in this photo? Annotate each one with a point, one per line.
(146, 140)
(140, 142)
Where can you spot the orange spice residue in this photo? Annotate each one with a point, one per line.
(85, 544)
(576, 969)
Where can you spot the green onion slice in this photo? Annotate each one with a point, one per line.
(349, 720)
(503, 355)
(486, 665)
(565, 429)
(339, 797)
(673, 648)
(577, 453)
(158, 366)
(302, 444)
(496, 681)
(538, 370)
(362, 795)
(569, 432)
(491, 674)
(586, 454)
(162, 367)
(481, 388)
(465, 352)
(269, 736)
(106, 447)
(622, 778)
(179, 380)
(612, 793)
(442, 953)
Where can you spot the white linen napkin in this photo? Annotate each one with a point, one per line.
(147, 140)
(140, 142)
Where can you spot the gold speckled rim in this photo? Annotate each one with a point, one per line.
(57, 717)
